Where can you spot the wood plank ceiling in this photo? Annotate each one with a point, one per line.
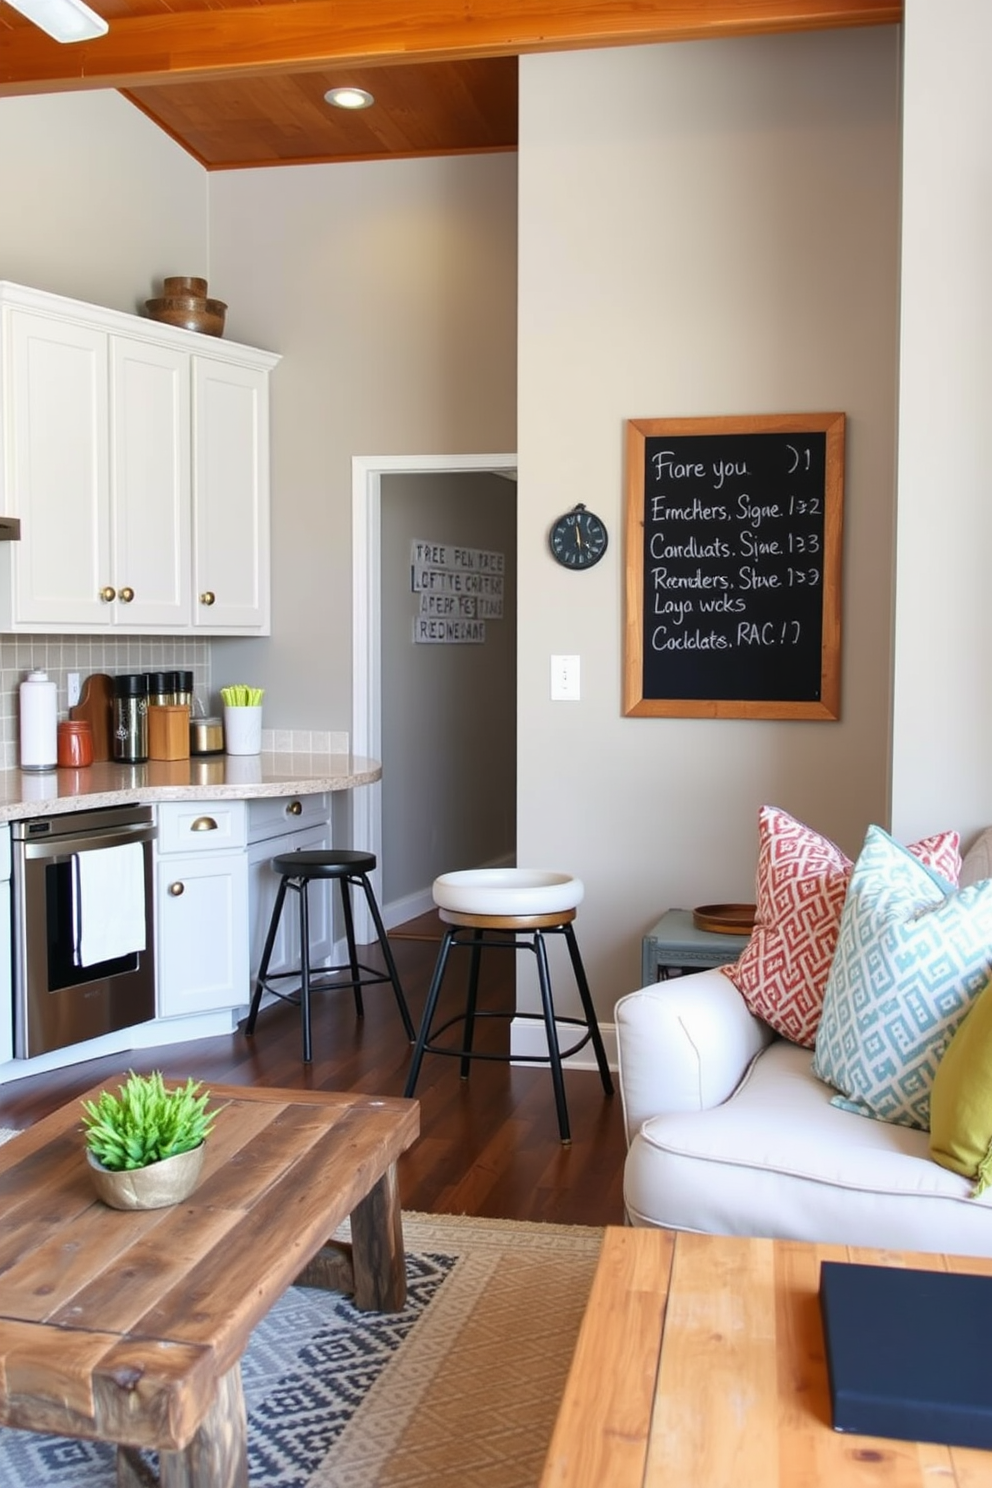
(242, 84)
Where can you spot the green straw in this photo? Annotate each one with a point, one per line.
(241, 696)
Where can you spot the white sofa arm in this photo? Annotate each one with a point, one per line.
(684, 1045)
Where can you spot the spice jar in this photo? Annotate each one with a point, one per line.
(161, 689)
(75, 744)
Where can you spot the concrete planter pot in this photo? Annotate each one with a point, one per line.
(155, 1187)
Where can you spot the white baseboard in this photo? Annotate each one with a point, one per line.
(527, 1037)
(412, 906)
(124, 1040)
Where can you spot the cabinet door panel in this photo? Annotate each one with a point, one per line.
(6, 987)
(201, 933)
(58, 478)
(150, 484)
(230, 497)
(262, 886)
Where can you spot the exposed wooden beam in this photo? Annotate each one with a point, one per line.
(316, 34)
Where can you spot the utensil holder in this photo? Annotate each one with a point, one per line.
(242, 730)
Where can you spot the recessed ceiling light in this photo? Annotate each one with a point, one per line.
(349, 98)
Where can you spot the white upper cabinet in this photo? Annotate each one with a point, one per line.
(136, 457)
(230, 497)
(56, 398)
(150, 568)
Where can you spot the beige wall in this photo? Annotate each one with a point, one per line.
(708, 228)
(98, 203)
(390, 290)
(942, 729)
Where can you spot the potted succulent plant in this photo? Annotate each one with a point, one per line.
(144, 1145)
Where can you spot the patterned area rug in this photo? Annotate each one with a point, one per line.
(460, 1390)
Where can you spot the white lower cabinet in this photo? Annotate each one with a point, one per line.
(6, 977)
(201, 907)
(285, 826)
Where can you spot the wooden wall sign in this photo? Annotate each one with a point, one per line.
(733, 563)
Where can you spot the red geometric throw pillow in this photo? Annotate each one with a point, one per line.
(800, 890)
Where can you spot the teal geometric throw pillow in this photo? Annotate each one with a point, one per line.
(912, 954)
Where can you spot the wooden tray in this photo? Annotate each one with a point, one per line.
(725, 919)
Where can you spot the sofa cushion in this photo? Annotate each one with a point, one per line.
(961, 1098)
(977, 862)
(778, 1160)
(802, 881)
(912, 955)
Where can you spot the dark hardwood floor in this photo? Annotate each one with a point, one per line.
(489, 1145)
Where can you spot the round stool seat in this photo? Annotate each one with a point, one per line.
(507, 891)
(323, 863)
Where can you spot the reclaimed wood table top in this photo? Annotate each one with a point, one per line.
(701, 1362)
(117, 1325)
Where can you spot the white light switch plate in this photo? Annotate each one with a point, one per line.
(72, 688)
(565, 679)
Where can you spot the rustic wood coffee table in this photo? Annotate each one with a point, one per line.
(700, 1364)
(130, 1327)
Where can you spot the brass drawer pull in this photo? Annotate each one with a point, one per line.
(295, 808)
(107, 594)
(207, 597)
(126, 596)
(203, 824)
(175, 889)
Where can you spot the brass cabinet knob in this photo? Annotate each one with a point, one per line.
(204, 824)
(207, 597)
(175, 889)
(295, 808)
(126, 596)
(107, 594)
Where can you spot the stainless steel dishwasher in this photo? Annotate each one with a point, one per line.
(57, 1001)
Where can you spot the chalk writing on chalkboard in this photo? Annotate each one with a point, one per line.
(733, 542)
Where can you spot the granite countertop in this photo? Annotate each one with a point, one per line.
(208, 777)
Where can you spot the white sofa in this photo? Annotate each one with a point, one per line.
(729, 1132)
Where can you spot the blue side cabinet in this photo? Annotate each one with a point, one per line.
(674, 946)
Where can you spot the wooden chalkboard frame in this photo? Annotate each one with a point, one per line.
(827, 706)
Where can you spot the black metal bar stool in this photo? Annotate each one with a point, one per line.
(349, 870)
(500, 908)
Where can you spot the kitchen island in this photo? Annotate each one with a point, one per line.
(215, 824)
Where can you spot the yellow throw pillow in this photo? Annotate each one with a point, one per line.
(961, 1098)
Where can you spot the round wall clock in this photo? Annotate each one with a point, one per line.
(578, 539)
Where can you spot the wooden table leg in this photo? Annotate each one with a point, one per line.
(217, 1457)
(132, 1471)
(377, 1248)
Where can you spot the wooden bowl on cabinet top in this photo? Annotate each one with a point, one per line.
(184, 284)
(190, 312)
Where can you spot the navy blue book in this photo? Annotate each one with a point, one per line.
(908, 1353)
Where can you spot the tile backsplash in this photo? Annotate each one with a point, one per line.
(59, 655)
(305, 741)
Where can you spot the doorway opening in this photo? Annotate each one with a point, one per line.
(367, 652)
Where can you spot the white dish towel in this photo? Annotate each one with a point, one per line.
(108, 903)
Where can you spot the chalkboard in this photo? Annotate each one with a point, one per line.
(733, 544)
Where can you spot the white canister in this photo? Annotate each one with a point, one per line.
(242, 730)
(39, 722)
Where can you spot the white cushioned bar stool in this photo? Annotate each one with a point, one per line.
(509, 908)
(349, 870)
